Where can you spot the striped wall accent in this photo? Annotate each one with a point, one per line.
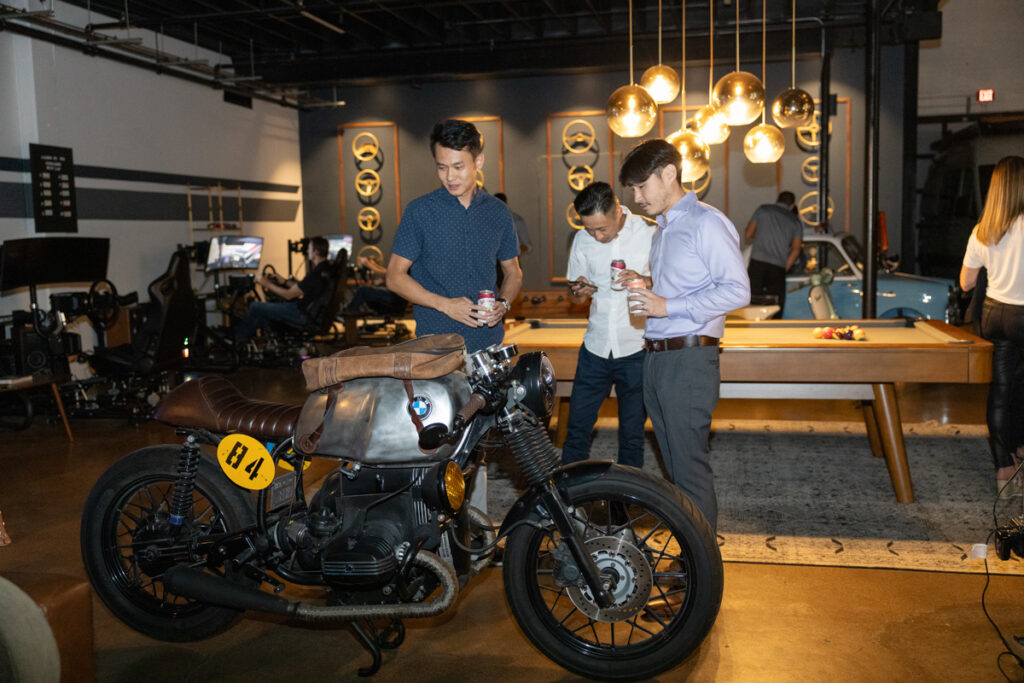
(124, 204)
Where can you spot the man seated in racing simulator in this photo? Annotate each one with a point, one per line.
(298, 296)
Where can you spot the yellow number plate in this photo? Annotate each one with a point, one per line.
(246, 461)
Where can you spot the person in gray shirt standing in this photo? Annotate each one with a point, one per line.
(777, 234)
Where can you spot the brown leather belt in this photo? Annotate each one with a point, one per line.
(676, 343)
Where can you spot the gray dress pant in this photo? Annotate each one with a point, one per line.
(680, 393)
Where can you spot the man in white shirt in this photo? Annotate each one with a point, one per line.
(613, 345)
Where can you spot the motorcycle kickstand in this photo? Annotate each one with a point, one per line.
(374, 640)
(371, 646)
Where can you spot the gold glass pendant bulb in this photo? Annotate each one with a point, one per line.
(793, 107)
(764, 144)
(631, 111)
(695, 152)
(710, 125)
(738, 97)
(661, 82)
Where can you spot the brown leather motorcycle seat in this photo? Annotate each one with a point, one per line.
(427, 357)
(214, 403)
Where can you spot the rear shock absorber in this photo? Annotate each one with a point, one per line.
(188, 464)
(532, 449)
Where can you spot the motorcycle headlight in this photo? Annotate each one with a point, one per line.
(444, 487)
(536, 375)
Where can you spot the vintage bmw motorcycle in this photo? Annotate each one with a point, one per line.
(610, 572)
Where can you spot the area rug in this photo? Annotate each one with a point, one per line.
(812, 493)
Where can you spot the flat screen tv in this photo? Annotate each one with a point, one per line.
(337, 243)
(35, 261)
(234, 252)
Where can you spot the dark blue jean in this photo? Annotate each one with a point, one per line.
(594, 379)
(262, 313)
(380, 300)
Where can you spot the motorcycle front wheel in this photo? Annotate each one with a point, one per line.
(660, 562)
(128, 542)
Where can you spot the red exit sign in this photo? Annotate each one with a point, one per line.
(986, 95)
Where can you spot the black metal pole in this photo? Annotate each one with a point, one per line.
(908, 241)
(873, 82)
(826, 111)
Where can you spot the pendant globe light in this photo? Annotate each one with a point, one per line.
(739, 96)
(660, 80)
(631, 110)
(696, 155)
(708, 122)
(793, 107)
(764, 143)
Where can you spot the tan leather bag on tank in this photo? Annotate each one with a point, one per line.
(422, 358)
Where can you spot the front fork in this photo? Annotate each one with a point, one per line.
(538, 460)
(563, 521)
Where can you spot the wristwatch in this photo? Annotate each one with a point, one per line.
(503, 302)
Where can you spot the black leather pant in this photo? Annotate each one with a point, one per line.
(1003, 325)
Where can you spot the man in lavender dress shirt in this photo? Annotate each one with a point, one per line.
(698, 276)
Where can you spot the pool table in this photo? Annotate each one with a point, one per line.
(780, 359)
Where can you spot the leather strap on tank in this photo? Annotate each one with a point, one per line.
(416, 421)
(308, 443)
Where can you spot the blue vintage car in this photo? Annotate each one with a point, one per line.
(898, 294)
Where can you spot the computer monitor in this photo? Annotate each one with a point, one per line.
(35, 261)
(337, 243)
(234, 252)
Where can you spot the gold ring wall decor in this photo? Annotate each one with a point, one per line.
(367, 182)
(479, 177)
(810, 170)
(572, 217)
(365, 146)
(582, 142)
(371, 253)
(578, 136)
(369, 219)
(808, 208)
(809, 138)
(580, 177)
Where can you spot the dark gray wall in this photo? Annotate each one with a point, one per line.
(524, 105)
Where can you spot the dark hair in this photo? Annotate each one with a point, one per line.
(321, 246)
(786, 197)
(648, 158)
(501, 196)
(458, 135)
(597, 197)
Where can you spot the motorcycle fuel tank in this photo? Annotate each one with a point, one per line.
(372, 419)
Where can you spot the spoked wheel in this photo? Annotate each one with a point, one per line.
(128, 542)
(659, 560)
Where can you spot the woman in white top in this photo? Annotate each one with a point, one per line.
(997, 244)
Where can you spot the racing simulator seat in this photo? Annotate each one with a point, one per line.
(168, 319)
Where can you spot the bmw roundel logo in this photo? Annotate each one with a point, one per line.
(420, 406)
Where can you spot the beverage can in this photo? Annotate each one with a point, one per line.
(485, 299)
(618, 265)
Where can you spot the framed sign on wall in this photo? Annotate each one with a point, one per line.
(53, 188)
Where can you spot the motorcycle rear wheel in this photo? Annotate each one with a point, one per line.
(127, 542)
(664, 610)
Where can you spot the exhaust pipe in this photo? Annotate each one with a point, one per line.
(217, 590)
(197, 585)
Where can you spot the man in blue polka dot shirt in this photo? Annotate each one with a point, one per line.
(447, 244)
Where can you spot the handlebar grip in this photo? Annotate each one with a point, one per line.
(476, 402)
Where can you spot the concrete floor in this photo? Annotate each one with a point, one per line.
(785, 623)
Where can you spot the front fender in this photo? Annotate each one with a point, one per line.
(564, 477)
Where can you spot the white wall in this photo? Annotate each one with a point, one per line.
(122, 117)
(980, 48)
